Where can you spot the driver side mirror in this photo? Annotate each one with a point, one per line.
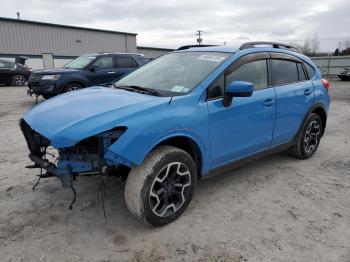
(237, 89)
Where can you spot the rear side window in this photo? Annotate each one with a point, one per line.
(301, 72)
(254, 72)
(143, 60)
(284, 72)
(126, 62)
(310, 70)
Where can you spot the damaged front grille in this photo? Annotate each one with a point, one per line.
(85, 157)
(35, 78)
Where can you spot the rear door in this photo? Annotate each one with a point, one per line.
(6, 72)
(246, 126)
(295, 96)
(125, 64)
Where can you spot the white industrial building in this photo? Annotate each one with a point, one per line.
(53, 45)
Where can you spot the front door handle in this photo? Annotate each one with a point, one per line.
(307, 92)
(111, 72)
(269, 102)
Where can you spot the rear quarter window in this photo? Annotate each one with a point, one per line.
(310, 70)
(301, 72)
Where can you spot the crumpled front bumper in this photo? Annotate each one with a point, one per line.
(37, 145)
(69, 162)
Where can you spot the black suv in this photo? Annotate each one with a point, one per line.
(84, 71)
(13, 73)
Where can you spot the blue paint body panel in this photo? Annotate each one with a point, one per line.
(268, 118)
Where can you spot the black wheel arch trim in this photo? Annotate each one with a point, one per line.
(316, 106)
(79, 82)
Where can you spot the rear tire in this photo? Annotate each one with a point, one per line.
(308, 138)
(159, 190)
(18, 80)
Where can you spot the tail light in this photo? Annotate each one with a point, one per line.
(325, 84)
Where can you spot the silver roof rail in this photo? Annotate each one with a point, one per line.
(273, 44)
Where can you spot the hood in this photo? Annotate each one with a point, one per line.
(56, 71)
(67, 119)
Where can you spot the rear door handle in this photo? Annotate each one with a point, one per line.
(111, 72)
(307, 92)
(269, 102)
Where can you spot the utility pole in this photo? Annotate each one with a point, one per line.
(199, 38)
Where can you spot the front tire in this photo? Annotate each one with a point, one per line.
(47, 96)
(308, 138)
(72, 87)
(160, 189)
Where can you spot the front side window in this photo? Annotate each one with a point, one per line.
(104, 62)
(175, 72)
(80, 62)
(217, 88)
(284, 72)
(254, 72)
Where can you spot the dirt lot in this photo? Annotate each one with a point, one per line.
(275, 209)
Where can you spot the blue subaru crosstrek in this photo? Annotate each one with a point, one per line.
(185, 116)
(84, 71)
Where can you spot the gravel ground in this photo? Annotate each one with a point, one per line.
(274, 209)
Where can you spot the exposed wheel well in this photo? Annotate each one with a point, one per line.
(322, 114)
(189, 146)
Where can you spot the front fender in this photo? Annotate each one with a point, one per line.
(136, 151)
(143, 134)
(76, 79)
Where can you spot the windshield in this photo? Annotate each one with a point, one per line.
(176, 72)
(80, 62)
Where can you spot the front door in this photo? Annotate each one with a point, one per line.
(246, 126)
(102, 71)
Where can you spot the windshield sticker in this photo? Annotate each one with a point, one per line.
(213, 58)
(178, 89)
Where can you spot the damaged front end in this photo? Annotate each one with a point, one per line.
(85, 157)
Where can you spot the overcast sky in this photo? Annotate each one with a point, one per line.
(171, 23)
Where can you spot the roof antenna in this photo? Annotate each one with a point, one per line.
(18, 15)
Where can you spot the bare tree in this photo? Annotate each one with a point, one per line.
(315, 44)
(306, 47)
